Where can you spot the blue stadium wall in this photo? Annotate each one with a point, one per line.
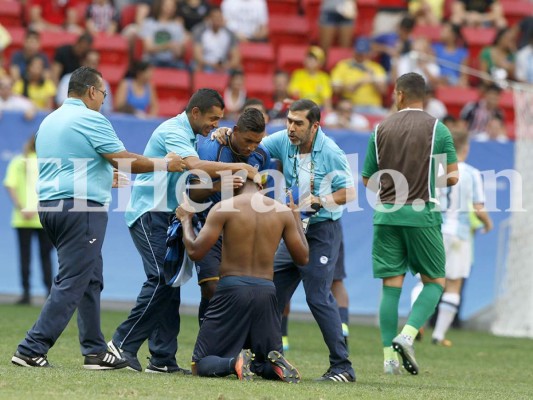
(123, 270)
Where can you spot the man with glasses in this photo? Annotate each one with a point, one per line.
(76, 145)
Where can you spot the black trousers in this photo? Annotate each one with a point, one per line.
(45, 249)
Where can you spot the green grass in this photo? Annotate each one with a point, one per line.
(478, 366)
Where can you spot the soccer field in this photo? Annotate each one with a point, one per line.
(478, 366)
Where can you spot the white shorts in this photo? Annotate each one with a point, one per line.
(458, 256)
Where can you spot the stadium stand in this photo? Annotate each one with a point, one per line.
(217, 81)
(257, 57)
(260, 86)
(171, 84)
(11, 13)
(290, 57)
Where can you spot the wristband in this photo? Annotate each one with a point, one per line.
(166, 164)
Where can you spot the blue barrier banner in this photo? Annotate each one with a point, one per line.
(123, 271)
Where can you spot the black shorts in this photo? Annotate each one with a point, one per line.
(243, 314)
(207, 268)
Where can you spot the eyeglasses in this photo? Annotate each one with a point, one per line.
(104, 92)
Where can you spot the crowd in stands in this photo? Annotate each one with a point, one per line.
(342, 54)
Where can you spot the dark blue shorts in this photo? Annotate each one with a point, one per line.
(207, 268)
(243, 314)
(333, 18)
(340, 273)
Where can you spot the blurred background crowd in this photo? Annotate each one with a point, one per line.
(343, 54)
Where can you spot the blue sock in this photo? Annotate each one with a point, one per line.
(343, 312)
(216, 366)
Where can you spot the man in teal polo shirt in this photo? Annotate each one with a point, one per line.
(155, 316)
(77, 149)
(315, 167)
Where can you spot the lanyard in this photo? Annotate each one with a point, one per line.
(311, 169)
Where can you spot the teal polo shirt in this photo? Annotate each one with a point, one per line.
(173, 135)
(328, 160)
(72, 132)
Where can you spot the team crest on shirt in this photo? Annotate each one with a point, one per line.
(323, 260)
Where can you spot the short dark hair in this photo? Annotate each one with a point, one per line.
(460, 139)
(253, 102)
(407, 23)
(33, 32)
(313, 114)
(491, 87)
(204, 99)
(412, 85)
(83, 78)
(251, 120)
(137, 67)
(85, 37)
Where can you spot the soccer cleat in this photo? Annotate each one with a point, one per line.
(407, 352)
(26, 361)
(330, 376)
(133, 362)
(103, 361)
(392, 367)
(443, 342)
(243, 365)
(285, 341)
(345, 330)
(166, 369)
(286, 372)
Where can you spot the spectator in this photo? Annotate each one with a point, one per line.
(310, 82)
(280, 99)
(420, 60)
(13, 102)
(20, 181)
(92, 59)
(525, 27)
(498, 60)
(192, 12)
(234, 95)
(258, 105)
(31, 47)
(164, 37)
(68, 58)
(427, 12)
(345, 118)
(136, 94)
(5, 39)
(478, 13)
(215, 46)
(484, 117)
(434, 106)
(337, 19)
(54, 15)
(102, 16)
(451, 54)
(393, 44)
(361, 80)
(36, 86)
(247, 19)
(524, 62)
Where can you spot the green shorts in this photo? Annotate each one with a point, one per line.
(398, 248)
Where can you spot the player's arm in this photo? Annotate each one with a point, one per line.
(198, 246)
(198, 193)
(294, 236)
(212, 168)
(452, 174)
(140, 164)
(483, 215)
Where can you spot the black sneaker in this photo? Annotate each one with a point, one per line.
(133, 362)
(166, 369)
(26, 361)
(284, 369)
(104, 360)
(342, 377)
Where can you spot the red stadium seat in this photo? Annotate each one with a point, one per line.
(291, 57)
(51, 40)
(113, 74)
(337, 54)
(477, 38)
(217, 81)
(288, 29)
(257, 57)
(171, 84)
(127, 15)
(260, 86)
(283, 7)
(366, 11)
(311, 10)
(169, 108)
(10, 13)
(507, 105)
(430, 32)
(516, 10)
(113, 49)
(455, 98)
(17, 41)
